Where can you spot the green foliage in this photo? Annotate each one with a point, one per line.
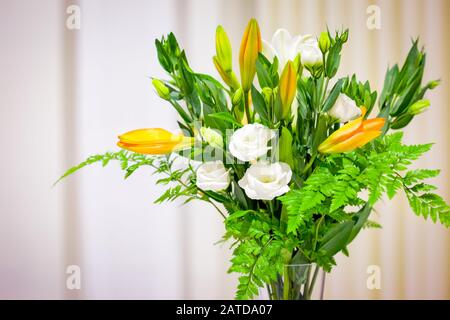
(334, 94)
(325, 191)
(129, 162)
(380, 167)
(360, 92)
(260, 251)
(403, 87)
(267, 72)
(333, 58)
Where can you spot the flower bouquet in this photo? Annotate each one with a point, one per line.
(288, 155)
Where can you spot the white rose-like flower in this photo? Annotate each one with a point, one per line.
(311, 54)
(285, 47)
(212, 176)
(250, 142)
(264, 181)
(344, 109)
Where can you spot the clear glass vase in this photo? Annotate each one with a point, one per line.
(298, 282)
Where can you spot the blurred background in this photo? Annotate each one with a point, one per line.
(66, 93)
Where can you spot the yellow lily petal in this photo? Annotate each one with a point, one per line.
(153, 149)
(341, 134)
(287, 87)
(151, 135)
(355, 141)
(374, 124)
(251, 45)
(153, 141)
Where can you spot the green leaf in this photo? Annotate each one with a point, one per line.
(285, 148)
(182, 113)
(334, 94)
(239, 194)
(361, 216)
(263, 72)
(414, 176)
(430, 205)
(225, 116)
(259, 104)
(389, 81)
(333, 60)
(336, 238)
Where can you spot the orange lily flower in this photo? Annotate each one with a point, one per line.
(153, 141)
(353, 135)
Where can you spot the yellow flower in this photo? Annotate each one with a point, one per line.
(287, 88)
(353, 135)
(153, 141)
(251, 45)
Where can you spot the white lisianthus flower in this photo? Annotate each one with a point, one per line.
(265, 181)
(250, 142)
(311, 55)
(344, 109)
(285, 47)
(212, 176)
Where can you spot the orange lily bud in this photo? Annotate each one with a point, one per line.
(153, 141)
(287, 88)
(251, 45)
(353, 135)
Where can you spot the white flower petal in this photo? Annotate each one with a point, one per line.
(212, 176)
(344, 109)
(268, 51)
(264, 181)
(250, 142)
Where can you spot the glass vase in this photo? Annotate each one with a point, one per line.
(298, 282)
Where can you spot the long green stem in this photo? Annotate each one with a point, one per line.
(313, 281)
(287, 284)
(306, 287)
(247, 107)
(316, 239)
(310, 163)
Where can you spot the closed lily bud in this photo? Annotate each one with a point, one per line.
(267, 93)
(418, 107)
(433, 84)
(223, 49)
(344, 36)
(161, 89)
(228, 77)
(223, 58)
(251, 45)
(324, 42)
(237, 97)
(287, 88)
(298, 64)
